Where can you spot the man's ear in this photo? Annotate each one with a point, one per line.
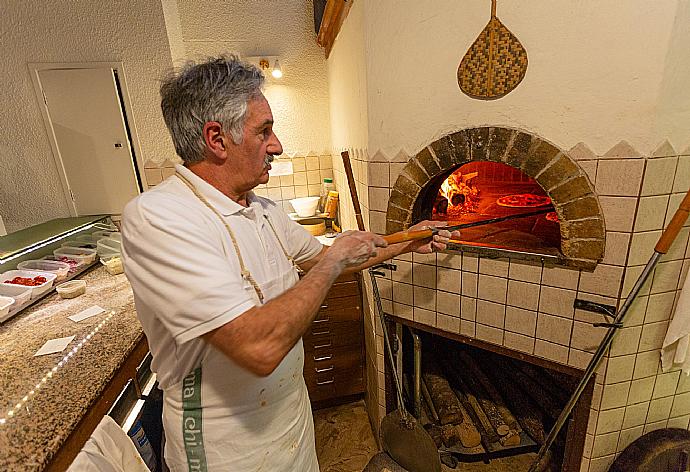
(215, 140)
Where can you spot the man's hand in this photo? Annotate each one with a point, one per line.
(437, 243)
(353, 248)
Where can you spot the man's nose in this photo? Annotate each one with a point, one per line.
(274, 147)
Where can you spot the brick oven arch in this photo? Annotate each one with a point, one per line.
(581, 218)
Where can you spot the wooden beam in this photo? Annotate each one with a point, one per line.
(333, 17)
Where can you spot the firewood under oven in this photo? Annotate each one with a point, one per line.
(529, 386)
(527, 412)
(546, 382)
(492, 401)
(456, 424)
(482, 421)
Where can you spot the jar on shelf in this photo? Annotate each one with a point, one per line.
(326, 186)
(331, 208)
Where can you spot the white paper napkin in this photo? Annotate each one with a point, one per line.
(54, 345)
(88, 313)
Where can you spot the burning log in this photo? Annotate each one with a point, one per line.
(528, 415)
(492, 402)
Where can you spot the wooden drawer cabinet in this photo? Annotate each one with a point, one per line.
(334, 344)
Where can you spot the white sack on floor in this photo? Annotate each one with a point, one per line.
(109, 449)
(675, 351)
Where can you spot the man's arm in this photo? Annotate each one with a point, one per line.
(261, 337)
(426, 246)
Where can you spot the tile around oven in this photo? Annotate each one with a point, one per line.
(619, 177)
(615, 395)
(651, 212)
(659, 176)
(681, 405)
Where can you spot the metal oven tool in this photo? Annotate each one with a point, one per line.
(662, 246)
(402, 436)
(403, 236)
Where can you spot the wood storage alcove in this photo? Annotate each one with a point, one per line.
(491, 162)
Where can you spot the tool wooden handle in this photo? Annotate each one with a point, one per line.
(677, 222)
(403, 236)
(347, 165)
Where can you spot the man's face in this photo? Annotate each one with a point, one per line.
(248, 159)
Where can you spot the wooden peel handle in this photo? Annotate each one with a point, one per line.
(403, 236)
(677, 222)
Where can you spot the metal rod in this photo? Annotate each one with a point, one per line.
(386, 341)
(594, 363)
(497, 220)
(417, 379)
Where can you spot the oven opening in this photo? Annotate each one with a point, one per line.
(484, 190)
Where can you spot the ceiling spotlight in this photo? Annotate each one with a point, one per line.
(277, 72)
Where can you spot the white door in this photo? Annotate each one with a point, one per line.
(85, 113)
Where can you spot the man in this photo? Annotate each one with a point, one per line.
(214, 273)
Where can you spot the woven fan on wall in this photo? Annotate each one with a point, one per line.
(495, 63)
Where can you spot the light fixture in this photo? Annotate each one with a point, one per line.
(277, 72)
(264, 63)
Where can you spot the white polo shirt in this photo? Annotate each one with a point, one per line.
(184, 270)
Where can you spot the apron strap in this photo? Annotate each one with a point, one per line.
(246, 275)
(280, 243)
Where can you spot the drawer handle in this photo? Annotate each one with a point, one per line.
(324, 307)
(321, 346)
(321, 333)
(327, 357)
(326, 369)
(325, 382)
(322, 320)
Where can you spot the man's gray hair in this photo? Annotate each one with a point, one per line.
(216, 90)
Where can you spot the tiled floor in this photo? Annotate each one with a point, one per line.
(345, 443)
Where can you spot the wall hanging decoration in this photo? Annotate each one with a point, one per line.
(495, 63)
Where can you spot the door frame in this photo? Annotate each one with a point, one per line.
(128, 117)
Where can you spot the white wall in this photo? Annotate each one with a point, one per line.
(598, 72)
(128, 31)
(275, 28)
(347, 82)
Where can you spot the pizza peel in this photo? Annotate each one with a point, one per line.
(414, 235)
(495, 63)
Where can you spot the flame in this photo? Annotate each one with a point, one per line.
(459, 194)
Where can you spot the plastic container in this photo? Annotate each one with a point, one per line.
(332, 204)
(113, 265)
(79, 244)
(82, 255)
(326, 186)
(305, 206)
(71, 289)
(20, 293)
(108, 247)
(5, 304)
(102, 234)
(89, 238)
(61, 269)
(74, 265)
(36, 290)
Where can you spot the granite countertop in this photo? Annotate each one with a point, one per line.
(31, 434)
